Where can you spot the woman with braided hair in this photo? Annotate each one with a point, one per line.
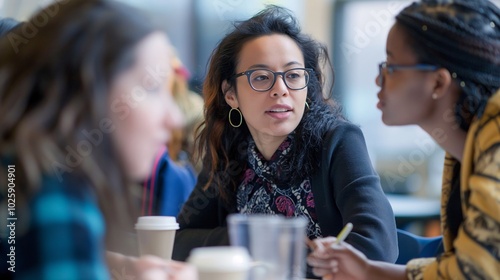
(443, 74)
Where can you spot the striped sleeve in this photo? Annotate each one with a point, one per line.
(477, 246)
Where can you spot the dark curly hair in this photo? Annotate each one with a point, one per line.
(462, 36)
(224, 147)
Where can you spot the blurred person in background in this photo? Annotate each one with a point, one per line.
(272, 144)
(168, 187)
(181, 147)
(443, 74)
(174, 176)
(83, 111)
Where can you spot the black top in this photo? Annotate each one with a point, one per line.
(346, 188)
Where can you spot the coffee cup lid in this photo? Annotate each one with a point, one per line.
(156, 223)
(220, 258)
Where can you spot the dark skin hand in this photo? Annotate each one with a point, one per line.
(327, 260)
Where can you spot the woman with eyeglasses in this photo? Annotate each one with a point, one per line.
(272, 144)
(443, 74)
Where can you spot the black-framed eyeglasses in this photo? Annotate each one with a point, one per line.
(390, 68)
(264, 79)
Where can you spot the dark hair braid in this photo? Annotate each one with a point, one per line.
(463, 37)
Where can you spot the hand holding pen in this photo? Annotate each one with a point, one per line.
(333, 259)
(338, 240)
(343, 234)
(327, 254)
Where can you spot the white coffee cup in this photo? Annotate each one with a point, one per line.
(156, 235)
(221, 263)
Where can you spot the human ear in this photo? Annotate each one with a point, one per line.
(229, 94)
(443, 83)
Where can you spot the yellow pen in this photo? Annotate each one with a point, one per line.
(341, 237)
(343, 234)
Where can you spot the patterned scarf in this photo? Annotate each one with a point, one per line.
(265, 190)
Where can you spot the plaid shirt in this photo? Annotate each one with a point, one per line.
(60, 235)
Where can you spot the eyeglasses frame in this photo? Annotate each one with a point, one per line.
(391, 68)
(248, 73)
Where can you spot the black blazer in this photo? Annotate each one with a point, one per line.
(346, 188)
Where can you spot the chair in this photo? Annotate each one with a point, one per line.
(412, 246)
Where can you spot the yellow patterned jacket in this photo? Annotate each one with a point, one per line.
(475, 252)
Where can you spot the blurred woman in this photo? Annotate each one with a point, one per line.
(441, 73)
(83, 111)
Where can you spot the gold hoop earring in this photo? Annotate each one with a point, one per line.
(241, 117)
(307, 105)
